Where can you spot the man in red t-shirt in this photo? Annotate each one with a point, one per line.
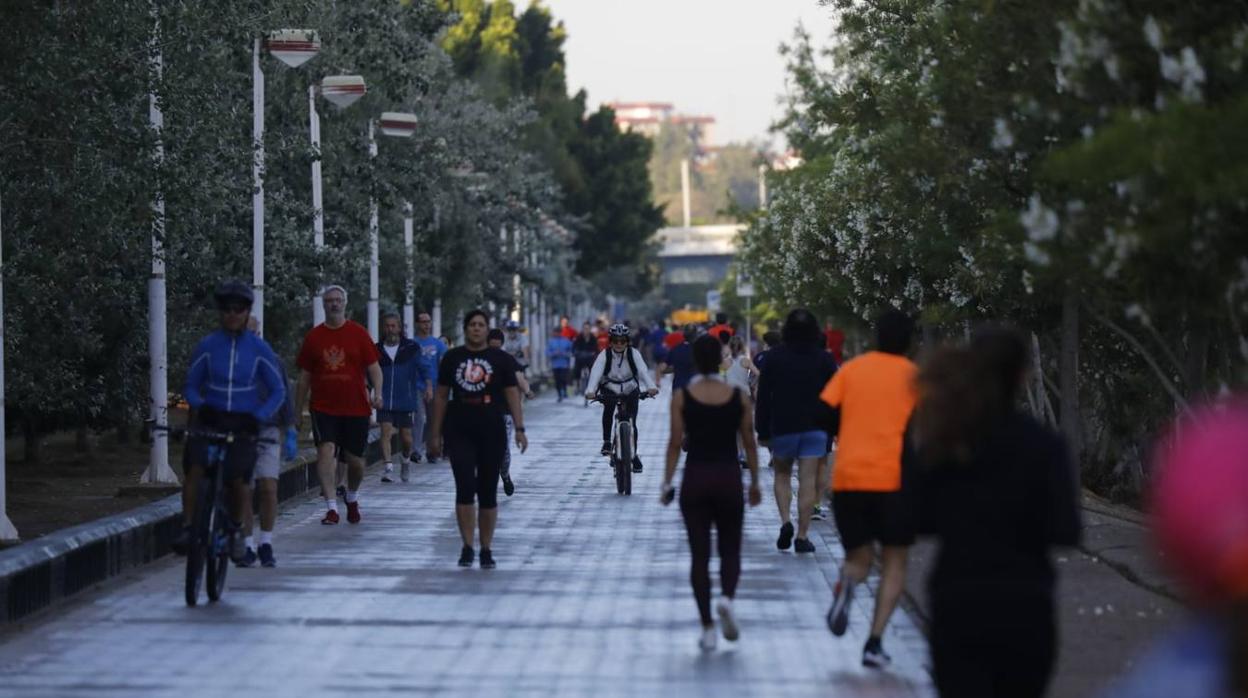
(566, 330)
(335, 357)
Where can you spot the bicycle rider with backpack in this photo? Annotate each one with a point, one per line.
(619, 373)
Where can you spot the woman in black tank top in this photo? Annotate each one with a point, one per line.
(713, 416)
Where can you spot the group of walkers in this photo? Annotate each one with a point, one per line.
(902, 450)
(939, 449)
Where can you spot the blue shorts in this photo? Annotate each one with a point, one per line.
(402, 420)
(805, 444)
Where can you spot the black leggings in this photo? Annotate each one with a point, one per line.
(992, 645)
(711, 494)
(476, 456)
(608, 413)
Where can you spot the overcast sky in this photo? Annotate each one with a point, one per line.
(714, 57)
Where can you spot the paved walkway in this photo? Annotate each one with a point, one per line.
(590, 598)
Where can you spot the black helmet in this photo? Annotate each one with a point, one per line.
(233, 289)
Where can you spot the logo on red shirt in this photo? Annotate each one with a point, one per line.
(335, 358)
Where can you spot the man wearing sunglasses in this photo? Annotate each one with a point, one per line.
(233, 385)
(619, 373)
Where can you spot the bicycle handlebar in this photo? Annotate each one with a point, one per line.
(211, 435)
(642, 395)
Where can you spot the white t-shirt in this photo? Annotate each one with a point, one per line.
(738, 375)
(391, 351)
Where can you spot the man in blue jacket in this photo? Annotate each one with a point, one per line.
(230, 370)
(403, 372)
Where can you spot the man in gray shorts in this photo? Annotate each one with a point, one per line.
(268, 470)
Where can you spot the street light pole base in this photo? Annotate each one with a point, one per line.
(8, 532)
(159, 474)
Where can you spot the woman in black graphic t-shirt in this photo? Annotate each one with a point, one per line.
(479, 383)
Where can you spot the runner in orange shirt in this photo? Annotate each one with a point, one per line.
(875, 394)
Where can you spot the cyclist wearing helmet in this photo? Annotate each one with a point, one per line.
(230, 370)
(619, 373)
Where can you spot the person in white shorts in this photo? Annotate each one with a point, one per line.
(268, 471)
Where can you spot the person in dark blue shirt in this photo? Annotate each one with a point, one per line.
(679, 360)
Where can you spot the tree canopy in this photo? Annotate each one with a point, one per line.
(1070, 167)
(600, 171)
(79, 176)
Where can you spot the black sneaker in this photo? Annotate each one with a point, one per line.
(266, 556)
(636, 464)
(416, 457)
(786, 536)
(838, 615)
(182, 542)
(487, 559)
(509, 488)
(873, 654)
(803, 545)
(248, 560)
(465, 556)
(606, 448)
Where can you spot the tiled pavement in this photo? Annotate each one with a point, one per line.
(590, 598)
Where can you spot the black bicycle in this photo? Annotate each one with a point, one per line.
(212, 532)
(623, 448)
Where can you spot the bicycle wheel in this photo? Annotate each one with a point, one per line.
(199, 550)
(624, 468)
(195, 555)
(219, 559)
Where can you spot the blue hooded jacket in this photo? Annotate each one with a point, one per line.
(236, 373)
(402, 377)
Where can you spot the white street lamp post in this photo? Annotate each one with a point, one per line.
(409, 311)
(374, 255)
(401, 125)
(8, 532)
(158, 470)
(257, 187)
(342, 91)
(318, 207)
(293, 47)
(436, 315)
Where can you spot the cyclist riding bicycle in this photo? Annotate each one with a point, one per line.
(619, 373)
(223, 384)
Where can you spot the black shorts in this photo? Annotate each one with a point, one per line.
(402, 420)
(863, 517)
(240, 456)
(350, 434)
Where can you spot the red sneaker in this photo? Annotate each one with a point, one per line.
(353, 512)
(331, 518)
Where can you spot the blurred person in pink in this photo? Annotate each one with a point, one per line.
(1199, 509)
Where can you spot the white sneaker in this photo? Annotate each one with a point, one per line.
(405, 469)
(727, 621)
(388, 474)
(709, 639)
